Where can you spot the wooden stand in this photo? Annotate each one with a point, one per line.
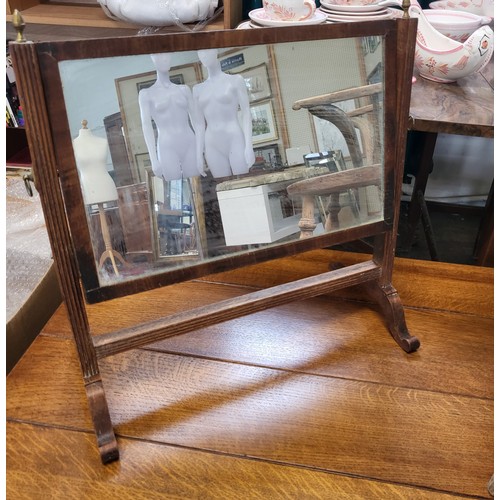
(375, 274)
(109, 252)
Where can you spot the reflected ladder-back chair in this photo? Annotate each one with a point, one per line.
(359, 128)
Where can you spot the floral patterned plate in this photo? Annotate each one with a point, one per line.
(259, 16)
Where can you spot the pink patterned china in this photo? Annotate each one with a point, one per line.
(379, 12)
(289, 10)
(353, 6)
(455, 24)
(353, 3)
(260, 17)
(444, 60)
(478, 7)
(334, 17)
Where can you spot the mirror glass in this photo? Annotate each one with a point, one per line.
(191, 156)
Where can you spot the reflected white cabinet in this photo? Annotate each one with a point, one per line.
(257, 209)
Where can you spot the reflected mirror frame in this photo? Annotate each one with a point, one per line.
(50, 54)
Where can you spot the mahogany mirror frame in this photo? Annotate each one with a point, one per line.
(36, 66)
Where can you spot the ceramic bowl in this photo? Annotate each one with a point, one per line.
(455, 24)
(444, 60)
(478, 7)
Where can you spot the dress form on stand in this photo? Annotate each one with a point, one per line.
(91, 153)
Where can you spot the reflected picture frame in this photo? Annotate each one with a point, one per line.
(257, 82)
(264, 127)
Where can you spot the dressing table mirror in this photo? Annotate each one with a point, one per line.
(268, 143)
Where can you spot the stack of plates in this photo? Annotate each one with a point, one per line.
(259, 19)
(355, 13)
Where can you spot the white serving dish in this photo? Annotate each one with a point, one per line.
(455, 24)
(444, 60)
(359, 5)
(260, 17)
(478, 7)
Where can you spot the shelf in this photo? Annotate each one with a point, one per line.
(78, 15)
(20, 159)
(93, 16)
(17, 151)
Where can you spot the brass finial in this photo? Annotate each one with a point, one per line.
(19, 25)
(405, 6)
(84, 123)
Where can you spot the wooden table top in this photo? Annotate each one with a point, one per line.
(312, 399)
(464, 107)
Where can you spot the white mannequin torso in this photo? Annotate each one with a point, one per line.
(219, 99)
(170, 106)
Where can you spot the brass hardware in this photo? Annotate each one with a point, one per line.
(19, 25)
(26, 174)
(27, 178)
(406, 6)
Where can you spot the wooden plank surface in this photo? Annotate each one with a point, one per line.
(313, 397)
(336, 338)
(422, 284)
(378, 431)
(156, 471)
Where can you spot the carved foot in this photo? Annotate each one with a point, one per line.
(388, 299)
(106, 440)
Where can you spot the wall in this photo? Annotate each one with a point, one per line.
(463, 169)
(317, 60)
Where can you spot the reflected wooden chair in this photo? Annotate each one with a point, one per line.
(360, 129)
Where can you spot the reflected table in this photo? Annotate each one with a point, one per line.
(463, 108)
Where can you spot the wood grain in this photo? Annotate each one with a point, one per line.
(465, 107)
(336, 338)
(422, 284)
(186, 321)
(379, 431)
(332, 332)
(42, 460)
(316, 384)
(348, 341)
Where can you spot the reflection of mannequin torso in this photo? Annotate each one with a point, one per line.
(227, 144)
(170, 107)
(91, 153)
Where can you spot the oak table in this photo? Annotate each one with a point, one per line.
(308, 400)
(462, 108)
